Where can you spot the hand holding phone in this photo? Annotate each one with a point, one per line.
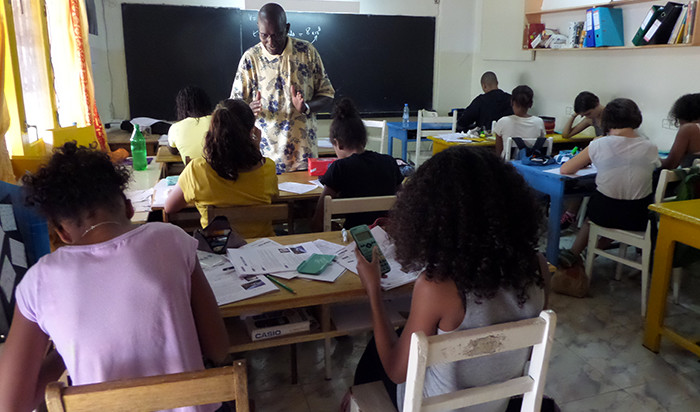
(365, 243)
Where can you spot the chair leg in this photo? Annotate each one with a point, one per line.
(622, 253)
(590, 250)
(677, 276)
(646, 258)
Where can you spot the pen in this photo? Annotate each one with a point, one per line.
(280, 284)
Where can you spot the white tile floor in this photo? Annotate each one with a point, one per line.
(598, 362)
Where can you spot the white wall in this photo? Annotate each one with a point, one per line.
(653, 78)
(454, 45)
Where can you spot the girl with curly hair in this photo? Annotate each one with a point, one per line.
(232, 172)
(469, 221)
(193, 109)
(357, 172)
(686, 146)
(111, 310)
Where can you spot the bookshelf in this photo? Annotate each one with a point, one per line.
(534, 13)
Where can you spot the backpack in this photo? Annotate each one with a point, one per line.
(535, 155)
(688, 189)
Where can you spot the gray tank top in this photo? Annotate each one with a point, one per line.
(445, 378)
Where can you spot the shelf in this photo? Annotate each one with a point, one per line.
(650, 46)
(578, 8)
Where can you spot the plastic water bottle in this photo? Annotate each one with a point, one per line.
(404, 121)
(138, 149)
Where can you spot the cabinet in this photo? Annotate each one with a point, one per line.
(634, 12)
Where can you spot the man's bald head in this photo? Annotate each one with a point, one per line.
(489, 81)
(273, 13)
(273, 28)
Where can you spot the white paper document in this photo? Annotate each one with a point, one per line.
(7, 218)
(262, 242)
(261, 260)
(298, 188)
(454, 137)
(324, 143)
(160, 193)
(396, 277)
(227, 285)
(140, 199)
(317, 183)
(590, 170)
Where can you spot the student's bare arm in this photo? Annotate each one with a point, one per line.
(317, 220)
(570, 131)
(21, 366)
(682, 144)
(211, 331)
(175, 201)
(577, 163)
(499, 145)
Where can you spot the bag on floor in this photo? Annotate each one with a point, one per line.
(571, 281)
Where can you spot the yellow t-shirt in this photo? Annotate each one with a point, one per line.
(202, 186)
(187, 136)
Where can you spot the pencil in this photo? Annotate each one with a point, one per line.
(280, 284)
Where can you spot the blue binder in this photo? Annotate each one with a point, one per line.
(589, 41)
(607, 25)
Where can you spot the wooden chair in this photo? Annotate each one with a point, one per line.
(188, 219)
(354, 205)
(510, 145)
(154, 392)
(641, 240)
(432, 117)
(381, 125)
(277, 212)
(537, 333)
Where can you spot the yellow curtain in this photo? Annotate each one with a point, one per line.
(6, 173)
(70, 56)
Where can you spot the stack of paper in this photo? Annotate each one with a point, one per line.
(226, 284)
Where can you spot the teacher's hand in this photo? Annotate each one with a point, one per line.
(256, 105)
(298, 100)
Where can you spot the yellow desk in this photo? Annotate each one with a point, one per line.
(439, 145)
(679, 222)
(319, 296)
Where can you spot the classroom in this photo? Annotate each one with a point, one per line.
(599, 357)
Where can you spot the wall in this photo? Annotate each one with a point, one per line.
(454, 45)
(653, 78)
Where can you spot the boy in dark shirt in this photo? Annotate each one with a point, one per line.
(486, 108)
(357, 172)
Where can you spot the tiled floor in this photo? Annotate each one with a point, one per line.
(598, 362)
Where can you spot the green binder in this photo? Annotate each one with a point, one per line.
(653, 13)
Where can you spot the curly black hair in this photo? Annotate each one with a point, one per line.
(468, 216)
(76, 181)
(585, 101)
(686, 108)
(228, 146)
(192, 101)
(347, 129)
(522, 96)
(621, 113)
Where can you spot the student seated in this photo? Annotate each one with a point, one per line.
(486, 108)
(625, 163)
(686, 146)
(232, 172)
(519, 124)
(119, 301)
(357, 172)
(586, 105)
(193, 118)
(476, 246)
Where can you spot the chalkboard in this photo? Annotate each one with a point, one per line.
(381, 62)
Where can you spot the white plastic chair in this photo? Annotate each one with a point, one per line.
(537, 333)
(381, 125)
(641, 240)
(510, 145)
(432, 117)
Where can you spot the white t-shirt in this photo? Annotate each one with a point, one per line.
(516, 126)
(625, 166)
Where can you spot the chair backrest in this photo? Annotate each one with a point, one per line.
(381, 125)
(529, 141)
(354, 205)
(154, 392)
(188, 219)
(667, 176)
(537, 333)
(255, 213)
(432, 118)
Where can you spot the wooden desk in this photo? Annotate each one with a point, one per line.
(559, 142)
(320, 296)
(121, 139)
(679, 222)
(143, 180)
(301, 176)
(170, 164)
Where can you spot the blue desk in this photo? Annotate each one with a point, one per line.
(397, 131)
(557, 187)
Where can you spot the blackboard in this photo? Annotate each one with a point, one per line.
(381, 62)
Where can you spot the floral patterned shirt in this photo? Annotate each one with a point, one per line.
(288, 136)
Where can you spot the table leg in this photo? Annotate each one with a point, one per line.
(293, 357)
(656, 306)
(556, 206)
(326, 327)
(390, 146)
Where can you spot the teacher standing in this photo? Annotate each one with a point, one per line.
(284, 82)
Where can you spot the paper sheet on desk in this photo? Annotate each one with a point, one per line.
(270, 259)
(454, 137)
(298, 188)
(227, 285)
(140, 199)
(590, 170)
(396, 277)
(160, 193)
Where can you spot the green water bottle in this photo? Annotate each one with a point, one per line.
(138, 149)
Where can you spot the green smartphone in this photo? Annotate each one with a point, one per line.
(315, 264)
(366, 242)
